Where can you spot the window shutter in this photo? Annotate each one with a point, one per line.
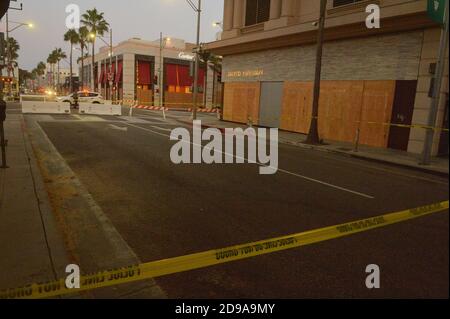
(263, 13)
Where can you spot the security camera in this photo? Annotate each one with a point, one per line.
(315, 23)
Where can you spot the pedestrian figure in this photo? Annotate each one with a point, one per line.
(75, 100)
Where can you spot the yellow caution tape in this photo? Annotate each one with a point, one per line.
(219, 256)
(421, 126)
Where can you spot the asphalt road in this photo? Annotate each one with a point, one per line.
(164, 210)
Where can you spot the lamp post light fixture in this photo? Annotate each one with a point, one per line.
(20, 24)
(110, 55)
(8, 31)
(218, 24)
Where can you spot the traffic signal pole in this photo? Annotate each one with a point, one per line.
(432, 117)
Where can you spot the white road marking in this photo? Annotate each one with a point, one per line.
(281, 170)
(162, 129)
(118, 128)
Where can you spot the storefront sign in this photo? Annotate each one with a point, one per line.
(245, 74)
(436, 10)
(185, 56)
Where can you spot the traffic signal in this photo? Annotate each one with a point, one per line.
(4, 5)
(155, 80)
(6, 79)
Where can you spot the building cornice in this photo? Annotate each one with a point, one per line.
(305, 34)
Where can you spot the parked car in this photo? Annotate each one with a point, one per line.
(83, 97)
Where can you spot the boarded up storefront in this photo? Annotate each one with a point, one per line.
(345, 107)
(179, 84)
(241, 102)
(358, 92)
(144, 80)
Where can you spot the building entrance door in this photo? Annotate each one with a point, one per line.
(402, 114)
(270, 104)
(443, 142)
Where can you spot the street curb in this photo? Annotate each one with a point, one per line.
(368, 158)
(90, 237)
(349, 154)
(58, 253)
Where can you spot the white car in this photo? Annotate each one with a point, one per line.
(83, 97)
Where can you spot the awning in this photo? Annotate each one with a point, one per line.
(144, 73)
(119, 72)
(102, 74)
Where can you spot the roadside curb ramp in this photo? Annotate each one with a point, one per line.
(39, 107)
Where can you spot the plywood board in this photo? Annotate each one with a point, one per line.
(241, 102)
(296, 107)
(376, 111)
(339, 110)
(181, 100)
(145, 97)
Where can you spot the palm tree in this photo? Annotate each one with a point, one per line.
(97, 26)
(83, 38)
(13, 48)
(59, 55)
(73, 38)
(51, 60)
(38, 72)
(13, 54)
(41, 68)
(24, 76)
(34, 76)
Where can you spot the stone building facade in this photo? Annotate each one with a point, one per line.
(372, 79)
(138, 74)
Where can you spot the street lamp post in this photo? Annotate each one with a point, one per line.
(440, 69)
(110, 45)
(110, 74)
(313, 136)
(8, 32)
(162, 45)
(197, 9)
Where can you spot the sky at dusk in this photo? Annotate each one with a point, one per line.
(144, 19)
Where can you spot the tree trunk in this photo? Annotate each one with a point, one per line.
(71, 68)
(82, 65)
(93, 65)
(58, 83)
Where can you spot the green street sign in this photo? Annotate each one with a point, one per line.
(436, 10)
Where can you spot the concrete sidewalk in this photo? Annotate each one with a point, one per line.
(40, 234)
(439, 166)
(31, 246)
